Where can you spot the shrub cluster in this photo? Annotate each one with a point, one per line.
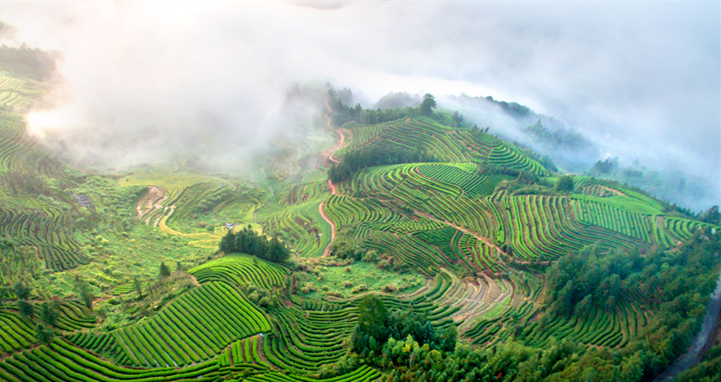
(248, 241)
(357, 160)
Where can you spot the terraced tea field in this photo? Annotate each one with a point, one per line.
(443, 142)
(443, 218)
(239, 269)
(41, 222)
(464, 243)
(17, 94)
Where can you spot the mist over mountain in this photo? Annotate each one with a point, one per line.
(575, 149)
(360, 191)
(570, 149)
(142, 81)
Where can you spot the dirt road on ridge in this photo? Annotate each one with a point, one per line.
(326, 251)
(328, 156)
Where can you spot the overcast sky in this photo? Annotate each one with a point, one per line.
(144, 79)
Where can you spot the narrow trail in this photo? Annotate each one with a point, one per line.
(332, 187)
(193, 280)
(259, 350)
(326, 251)
(321, 209)
(337, 147)
(329, 154)
(486, 240)
(617, 192)
(702, 342)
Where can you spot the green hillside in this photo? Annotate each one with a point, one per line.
(481, 263)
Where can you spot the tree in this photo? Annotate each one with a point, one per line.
(20, 263)
(278, 252)
(4, 294)
(82, 288)
(49, 313)
(227, 243)
(448, 337)
(138, 288)
(8, 258)
(27, 309)
(357, 160)
(372, 315)
(44, 334)
(429, 102)
(458, 119)
(565, 184)
(584, 306)
(604, 167)
(248, 241)
(711, 216)
(21, 291)
(164, 270)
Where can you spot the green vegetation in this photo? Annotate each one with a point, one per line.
(420, 250)
(376, 328)
(444, 143)
(202, 322)
(376, 156)
(239, 269)
(27, 63)
(565, 184)
(706, 370)
(429, 102)
(556, 139)
(248, 241)
(331, 277)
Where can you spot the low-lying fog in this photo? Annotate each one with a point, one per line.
(145, 81)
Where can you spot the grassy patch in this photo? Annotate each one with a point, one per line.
(359, 276)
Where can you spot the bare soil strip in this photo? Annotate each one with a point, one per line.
(321, 209)
(331, 186)
(150, 201)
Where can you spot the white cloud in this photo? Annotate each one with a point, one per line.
(642, 76)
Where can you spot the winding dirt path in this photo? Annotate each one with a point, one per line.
(327, 156)
(340, 145)
(321, 209)
(326, 251)
(617, 192)
(332, 187)
(259, 350)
